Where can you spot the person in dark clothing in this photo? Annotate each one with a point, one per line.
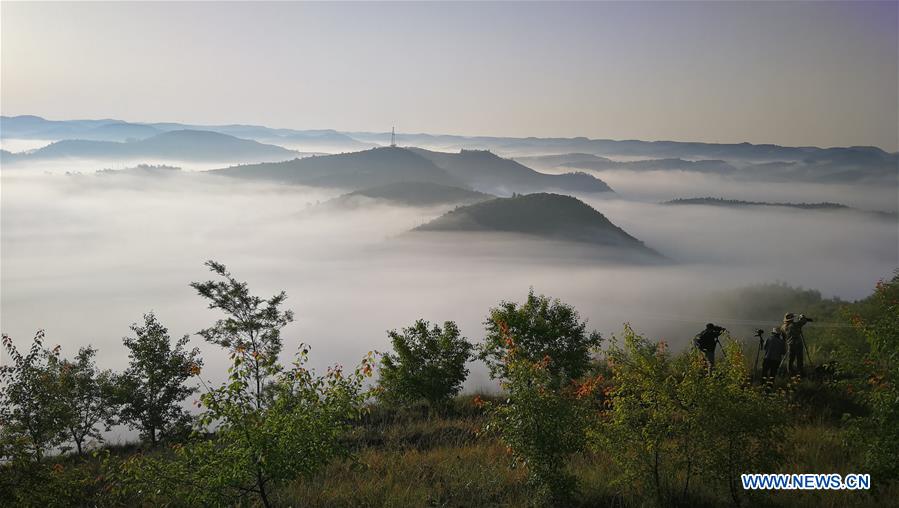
(775, 349)
(792, 332)
(706, 340)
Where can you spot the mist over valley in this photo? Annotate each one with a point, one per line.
(367, 241)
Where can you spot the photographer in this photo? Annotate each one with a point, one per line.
(792, 332)
(706, 340)
(775, 349)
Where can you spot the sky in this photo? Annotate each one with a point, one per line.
(821, 74)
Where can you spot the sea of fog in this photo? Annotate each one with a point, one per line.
(84, 256)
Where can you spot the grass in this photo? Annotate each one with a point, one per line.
(411, 458)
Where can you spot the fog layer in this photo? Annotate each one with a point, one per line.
(85, 256)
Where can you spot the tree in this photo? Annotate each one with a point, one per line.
(86, 397)
(878, 434)
(268, 424)
(541, 327)
(669, 421)
(427, 363)
(542, 422)
(300, 429)
(252, 328)
(741, 424)
(30, 414)
(152, 388)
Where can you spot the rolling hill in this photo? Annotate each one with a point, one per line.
(700, 166)
(544, 216)
(482, 171)
(356, 170)
(833, 165)
(181, 145)
(486, 171)
(737, 203)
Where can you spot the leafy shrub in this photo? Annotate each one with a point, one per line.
(879, 433)
(265, 425)
(253, 449)
(426, 363)
(669, 420)
(743, 426)
(542, 422)
(541, 327)
(54, 482)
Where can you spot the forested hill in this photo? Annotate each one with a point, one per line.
(545, 215)
(478, 170)
(356, 170)
(825, 205)
(735, 203)
(484, 170)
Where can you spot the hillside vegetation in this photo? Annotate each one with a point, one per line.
(356, 170)
(543, 215)
(630, 423)
(481, 171)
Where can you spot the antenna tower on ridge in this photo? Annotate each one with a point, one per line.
(393, 137)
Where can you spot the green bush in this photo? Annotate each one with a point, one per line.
(254, 449)
(879, 432)
(543, 422)
(669, 421)
(541, 327)
(427, 363)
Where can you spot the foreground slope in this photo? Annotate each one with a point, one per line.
(544, 215)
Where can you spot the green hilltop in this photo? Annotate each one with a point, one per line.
(544, 215)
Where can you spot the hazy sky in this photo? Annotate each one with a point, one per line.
(790, 73)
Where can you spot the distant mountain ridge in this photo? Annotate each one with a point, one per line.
(182, 145)
(830, 165)
(628, 148)
(542, 215)
(700, 166)
(824, 205)
(35, 127)
(767, 162)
